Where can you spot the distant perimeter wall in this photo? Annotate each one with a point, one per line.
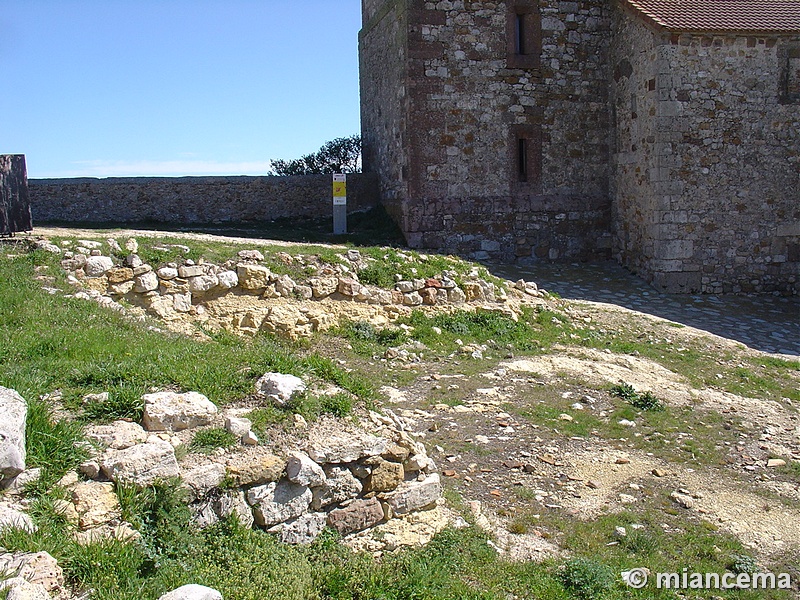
(194, 200)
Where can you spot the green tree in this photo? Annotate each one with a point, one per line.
(342, 155)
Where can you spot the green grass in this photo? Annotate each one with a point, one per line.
(206, 441)
(51, 342)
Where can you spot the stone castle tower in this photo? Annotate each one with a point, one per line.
(658, 132)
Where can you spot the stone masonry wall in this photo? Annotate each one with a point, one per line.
(467, 107)
(382, 55)
(194, 200)
(708, 161)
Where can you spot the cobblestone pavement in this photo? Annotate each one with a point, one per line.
(762, 322)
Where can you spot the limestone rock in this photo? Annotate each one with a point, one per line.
(35, 567)
(168, 411)
(304, 529)
(254, 255)
(348, 286)
(300, 469)
(253, 277)
(187, 271)
(279, 387)
(167, 273)
(322, 287)
(346, 447)
(238, 426)
(356, 516)
(117, 435)
(11, 518)
(13, 414)
(248, 471)
(119, 275)
(16, 485)
(146, 282)
(182, 302)
(285, 286)
(340, 485)
(415, 495)
(96, 503)
(201, 480)
(227, 280)
(222, 506)
(141, 464)
(22, 589)
(278, 502)
(385, 476)
(202, 283)
(97, 266)
(192, 592)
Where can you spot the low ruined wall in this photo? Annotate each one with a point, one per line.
(194, 200)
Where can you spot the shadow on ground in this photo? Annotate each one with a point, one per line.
(762, 322)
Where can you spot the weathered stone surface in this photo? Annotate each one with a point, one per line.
(304, 529)
(322, 287)
(246, 471)
(300, 469)
(16, 485)
(12, 518)
(36, 567)
(346, 447)
(117, 435)
(201, 480)
(146, 282)
(348, 286)
(285, 286)
(227, 279)
(277, 502)
(238, 426)
(141, 464)
(13, 415)
(203, 283)
(97, 265)
(182, 302)
(340, 485)
(192, 592)
(279, 387)
(415, 495)
(253, 277)
(221, 506)
(168, 411)
(356, 516)
(254, 255)
(119, 275)
(187, 271)
(167, 273)
(21, 589)
(384, 477)
(96, 503)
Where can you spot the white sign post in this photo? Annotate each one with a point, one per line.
(339, 203)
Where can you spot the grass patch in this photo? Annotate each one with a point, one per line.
(50, 342)
(639, 400)
(206, 441)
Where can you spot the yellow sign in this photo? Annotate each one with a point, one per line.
(339, 186)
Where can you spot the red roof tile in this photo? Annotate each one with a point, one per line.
(778, 16)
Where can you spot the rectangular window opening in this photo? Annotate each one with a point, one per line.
(519, 37)
(522, 159)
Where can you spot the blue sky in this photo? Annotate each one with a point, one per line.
(101, 88)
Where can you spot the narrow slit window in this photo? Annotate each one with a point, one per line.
(522, 159)
(519, 35)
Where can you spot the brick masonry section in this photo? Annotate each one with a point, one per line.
(194, 200)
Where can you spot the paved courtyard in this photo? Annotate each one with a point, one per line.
(762, 322)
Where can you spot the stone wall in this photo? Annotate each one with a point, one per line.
(468, 105)
(708, 160)
(194, 200)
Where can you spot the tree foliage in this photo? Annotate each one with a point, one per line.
(342, 155)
